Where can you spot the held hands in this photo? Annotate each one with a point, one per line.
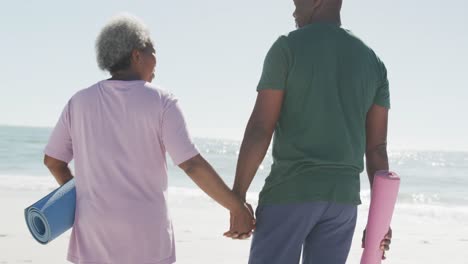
(384, 245)
(242, 223)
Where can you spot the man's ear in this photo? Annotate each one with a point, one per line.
(317, 4)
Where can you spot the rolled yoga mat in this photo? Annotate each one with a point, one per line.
(52, 215)
(383, 198)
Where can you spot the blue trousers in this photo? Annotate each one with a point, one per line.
(322, 231)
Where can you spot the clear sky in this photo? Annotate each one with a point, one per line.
(210, 54)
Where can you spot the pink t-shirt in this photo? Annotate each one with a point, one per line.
(118, 133)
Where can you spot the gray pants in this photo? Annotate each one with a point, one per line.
(323, 231)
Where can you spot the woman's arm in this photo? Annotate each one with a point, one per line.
(201, 172)
(59, 169)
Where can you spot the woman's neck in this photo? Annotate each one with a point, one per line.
(125, 76)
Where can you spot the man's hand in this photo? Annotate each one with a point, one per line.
(242, 223)
(384, 245)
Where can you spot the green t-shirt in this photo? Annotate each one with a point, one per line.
(331, 79)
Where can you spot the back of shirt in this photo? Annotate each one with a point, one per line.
(331, 79)
(118, 133)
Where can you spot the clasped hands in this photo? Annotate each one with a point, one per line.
(242, 223)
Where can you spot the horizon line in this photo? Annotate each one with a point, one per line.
(396, 148)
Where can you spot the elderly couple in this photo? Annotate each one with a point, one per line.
(323, 94)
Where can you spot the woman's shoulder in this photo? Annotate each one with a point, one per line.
(84, 93)
(162, 93)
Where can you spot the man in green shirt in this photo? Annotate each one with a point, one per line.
(325, 95)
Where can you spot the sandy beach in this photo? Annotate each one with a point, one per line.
(430, 235)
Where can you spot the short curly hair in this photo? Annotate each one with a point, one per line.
(119, 37)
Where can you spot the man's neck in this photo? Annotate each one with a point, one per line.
(326, 18)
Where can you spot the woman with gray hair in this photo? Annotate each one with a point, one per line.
(118, 131)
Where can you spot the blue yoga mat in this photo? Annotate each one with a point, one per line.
(53, 215)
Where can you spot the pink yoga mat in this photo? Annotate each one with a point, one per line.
(383, 198)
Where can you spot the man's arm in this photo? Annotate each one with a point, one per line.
(59, 169)
(376, 141)
(376, 154)
(257, 138)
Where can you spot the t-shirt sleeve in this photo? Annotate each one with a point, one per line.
(276, 66)
(60, 142)
(175, 135)
(382, 96)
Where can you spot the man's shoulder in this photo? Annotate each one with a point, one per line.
(322, 31)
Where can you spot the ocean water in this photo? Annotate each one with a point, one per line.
(430, 179)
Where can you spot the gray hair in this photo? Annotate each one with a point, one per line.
(119, 37)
